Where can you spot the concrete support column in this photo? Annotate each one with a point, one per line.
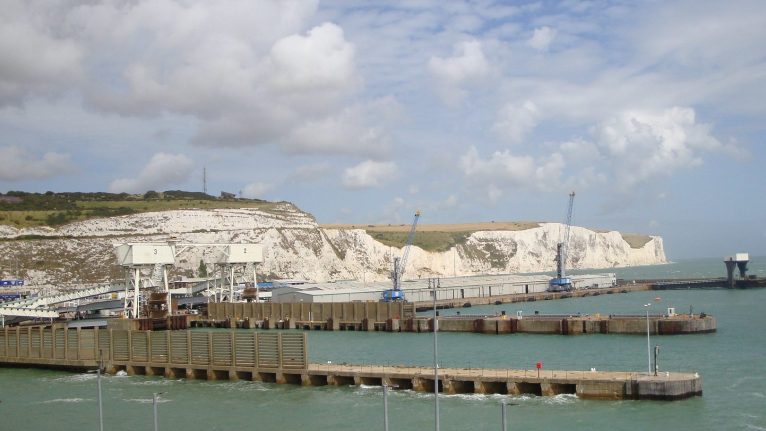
(513, 388)
(333, 324)
(211, 375)
(449, 386)
(368, 325)
(418, 385)
(394, 325)
(479, 387)
(547, 389)
(306, 380)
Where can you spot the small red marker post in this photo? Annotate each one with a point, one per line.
(539, 365)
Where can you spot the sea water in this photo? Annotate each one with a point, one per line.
(731, 361)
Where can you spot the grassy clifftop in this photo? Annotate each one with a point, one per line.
(442, 237)
(433, 237)
(22, 209)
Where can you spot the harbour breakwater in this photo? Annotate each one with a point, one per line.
(282, 358)
(400, 317)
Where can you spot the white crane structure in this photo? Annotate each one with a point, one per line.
(146, 266)
(561, 283)
(396, 294)
(227, 259)
(138, 257)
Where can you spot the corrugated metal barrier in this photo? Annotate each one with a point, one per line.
(177, 349)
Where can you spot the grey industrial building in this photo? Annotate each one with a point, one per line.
(478, 286)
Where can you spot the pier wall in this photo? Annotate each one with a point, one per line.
(304, 311)
(542, 324)
(152, 352)
(282, 358)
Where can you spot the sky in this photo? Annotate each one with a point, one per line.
(363, 112)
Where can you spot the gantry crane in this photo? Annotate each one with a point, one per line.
(561, 283)
(396, 294)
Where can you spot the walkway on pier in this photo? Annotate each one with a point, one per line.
(585, 384)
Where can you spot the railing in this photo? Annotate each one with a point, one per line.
(81, 348)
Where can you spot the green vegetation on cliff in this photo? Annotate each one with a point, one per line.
(22, 209)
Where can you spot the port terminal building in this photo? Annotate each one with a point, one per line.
(452, 288)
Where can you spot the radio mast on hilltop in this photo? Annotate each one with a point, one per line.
(204, 179)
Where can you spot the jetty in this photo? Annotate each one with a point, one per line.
(283, 358)
(401, 317)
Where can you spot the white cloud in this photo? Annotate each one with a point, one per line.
(514, 122)
(466, 66)
(256, 190)
(162, 171)
(542, 173)
(542, 38)
(248, 73)
(35, 59)
(369, 174)
(343, 133)
(19, 165)
(641, 145)
(321, 60)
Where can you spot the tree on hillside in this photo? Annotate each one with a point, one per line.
(202, 270)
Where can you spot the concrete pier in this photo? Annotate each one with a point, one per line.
(584, 384)
(675, 324)
(282, 358)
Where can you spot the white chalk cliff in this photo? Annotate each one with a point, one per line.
(295, 246)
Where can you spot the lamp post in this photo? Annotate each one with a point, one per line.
(100, 407)
(436, 363)
(155, 400)
(98, 385)
(648, 345)
(386, 387)
(504, 414)
(385, 407)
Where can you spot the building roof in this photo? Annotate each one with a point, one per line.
(355, 286)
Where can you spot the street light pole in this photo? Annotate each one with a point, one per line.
(386, 388)
(504, 414)
(648, 344)
(155, 399)
(100, 406)
(436, 363)
(385, 407)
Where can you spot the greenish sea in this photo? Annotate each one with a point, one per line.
(731, 362)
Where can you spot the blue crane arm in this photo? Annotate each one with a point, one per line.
(406, 253)
(565, 247)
